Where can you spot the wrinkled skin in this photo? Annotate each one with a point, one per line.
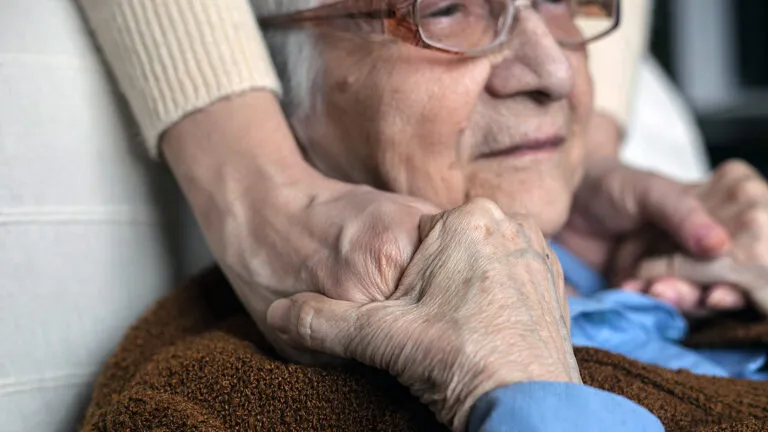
(481, 305)
(737, 196)
(430, 125)
(423, 124)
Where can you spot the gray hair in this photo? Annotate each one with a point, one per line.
(295, 56)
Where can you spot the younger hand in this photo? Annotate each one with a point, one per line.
(275, 225)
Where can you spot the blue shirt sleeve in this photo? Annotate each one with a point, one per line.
(555, 407)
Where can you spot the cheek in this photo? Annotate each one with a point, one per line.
(581, 106)
(424, 115)
(342, 136)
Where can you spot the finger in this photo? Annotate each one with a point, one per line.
(633, 285)
(745, 220)
(626, 256)
(681, 294)
(751, 279)
(315, 322)
(734, 180)
(723, 297)
(674, 208)
(427, 223)
(696, 271)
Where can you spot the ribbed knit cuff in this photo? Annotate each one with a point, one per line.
(173, 57)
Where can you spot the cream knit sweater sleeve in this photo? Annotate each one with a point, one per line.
(172, 57)
(614, 60)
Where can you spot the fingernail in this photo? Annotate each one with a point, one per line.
(633, 285)
(666, 292)
(711, 239)
(279, 316)
(725, 299)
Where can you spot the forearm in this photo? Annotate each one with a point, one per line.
(240, 148)
(173, 57)
(200, 82)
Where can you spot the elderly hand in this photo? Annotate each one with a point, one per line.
(737, 196)
(278, 233)
(480, 306)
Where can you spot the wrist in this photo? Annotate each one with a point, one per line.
(239, 146)
(477, 376)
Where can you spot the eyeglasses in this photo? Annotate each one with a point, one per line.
(464, 27)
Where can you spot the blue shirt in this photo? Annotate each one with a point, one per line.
(645, 329)
(630, 324)
(558, 407)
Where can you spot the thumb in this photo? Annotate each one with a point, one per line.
(315, 322)
(681, 214)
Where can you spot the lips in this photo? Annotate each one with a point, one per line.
(542, 145)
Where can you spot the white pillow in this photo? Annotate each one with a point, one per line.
(662, 135)
(86, 222)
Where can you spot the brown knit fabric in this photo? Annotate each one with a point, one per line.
(195, 362)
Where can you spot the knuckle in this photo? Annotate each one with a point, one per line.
(755, 217)
(734, 168)
(750, 189)
(475, 226)
(529, 229)
(388, 253)
(304, 315)
(485, 207)
(371, 263)
(476, 218)
(760, 254)
(512, 231)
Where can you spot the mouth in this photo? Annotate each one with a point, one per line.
(527, 148)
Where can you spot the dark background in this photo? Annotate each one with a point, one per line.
(735, 129)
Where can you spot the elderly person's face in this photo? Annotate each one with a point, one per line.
(508, 126)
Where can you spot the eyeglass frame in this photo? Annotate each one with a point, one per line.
(404, 25)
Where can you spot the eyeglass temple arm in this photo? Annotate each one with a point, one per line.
(340, 10)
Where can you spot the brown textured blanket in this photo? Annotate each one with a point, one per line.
(195, 362)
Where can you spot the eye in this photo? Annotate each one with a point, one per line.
(567, 3)
(445, 11)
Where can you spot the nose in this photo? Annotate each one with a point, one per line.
(532, 62)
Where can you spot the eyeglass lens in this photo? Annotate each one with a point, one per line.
(474, 25)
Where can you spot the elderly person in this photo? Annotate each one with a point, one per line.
(449, 115)
(486, 345)
(472, 99)
(269, 187)
(153, 46)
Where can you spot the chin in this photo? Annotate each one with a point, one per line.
(551, 222)
(548, 208)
